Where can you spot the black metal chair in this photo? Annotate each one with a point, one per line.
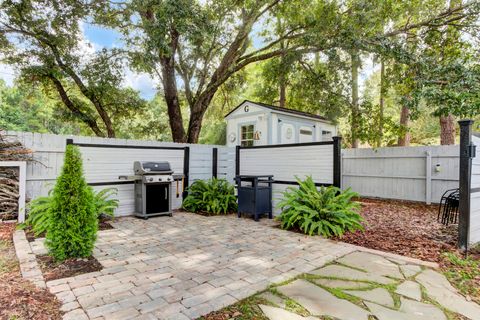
(448, 209)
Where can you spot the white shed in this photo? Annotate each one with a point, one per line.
(255, 124)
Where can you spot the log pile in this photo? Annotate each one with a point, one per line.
(10, 150)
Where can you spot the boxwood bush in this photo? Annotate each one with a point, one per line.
(73, 224)
(327, 211)
(214, 196)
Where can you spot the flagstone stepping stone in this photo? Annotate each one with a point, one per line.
(384, 313)
(438, 288)
(409, 270)
(274, 313)
(410, 289)
(371, 263)
(341, 272)
(279, 301)
(321, 302)
(377, 295)
(422, 310)
(341, 284)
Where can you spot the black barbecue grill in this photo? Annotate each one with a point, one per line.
(153, 181)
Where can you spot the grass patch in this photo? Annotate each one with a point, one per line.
(245, 309)
(293, 306)
(463, 273)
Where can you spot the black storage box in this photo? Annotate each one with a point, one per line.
(254, 195)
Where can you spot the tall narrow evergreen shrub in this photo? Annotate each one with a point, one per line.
(73, 223)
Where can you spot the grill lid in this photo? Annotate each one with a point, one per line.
(152, 167)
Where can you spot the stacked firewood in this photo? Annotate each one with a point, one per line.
(10, 150)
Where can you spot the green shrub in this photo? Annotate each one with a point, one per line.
(326, 211)
(37, 219)
(214, 196)
(72, 229)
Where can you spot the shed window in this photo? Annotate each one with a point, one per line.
(306, 132)
(326, 135)
(247, 135)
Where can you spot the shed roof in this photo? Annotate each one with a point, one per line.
(280, 109)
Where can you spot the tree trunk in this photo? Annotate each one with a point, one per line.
(196, 116)
(447, 130)
(171, 98)
(283, 78)
(355, 58)
(381, 104)
(404, 140)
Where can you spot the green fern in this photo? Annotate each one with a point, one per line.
(104, 201)
(327, 211)
(215, 196)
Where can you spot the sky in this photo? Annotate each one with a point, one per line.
(96, 38)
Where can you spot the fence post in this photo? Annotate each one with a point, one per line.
(214, 162)
(186, 170)
(465, 183)
(428, 177)
(237, 161)
(337, 161)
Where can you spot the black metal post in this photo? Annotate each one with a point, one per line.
(69, 141)
(337, 161)
(237, 161)
(214, 162)
(186, 170)
(465, 183)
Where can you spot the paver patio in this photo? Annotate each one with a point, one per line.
(187, 266)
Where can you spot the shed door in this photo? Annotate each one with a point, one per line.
(287, 133)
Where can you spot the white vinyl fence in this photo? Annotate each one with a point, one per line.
(404, 173)
(286, 163)
(475, 195)
(103, 165)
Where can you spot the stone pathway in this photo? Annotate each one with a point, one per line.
(360, 285)
(185, 266)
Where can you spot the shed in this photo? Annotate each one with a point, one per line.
(254, 124)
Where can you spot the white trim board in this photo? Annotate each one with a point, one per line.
(22, 177)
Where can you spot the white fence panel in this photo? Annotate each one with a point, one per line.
(286, 163)
(475, 195)
(200, 163)
(404, 173)
(106, 164)
(226, 163)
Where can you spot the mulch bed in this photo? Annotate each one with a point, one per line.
(53, 270)
(19, 298)
(405, 228)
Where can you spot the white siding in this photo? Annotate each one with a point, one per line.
(475, 196)
(401, 172)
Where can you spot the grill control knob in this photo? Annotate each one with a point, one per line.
(169, 179)
(150, 179)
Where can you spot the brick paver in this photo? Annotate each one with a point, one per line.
(185, 266)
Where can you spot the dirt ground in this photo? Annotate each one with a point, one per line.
(69, 268)
(406, 228)
(20, 299)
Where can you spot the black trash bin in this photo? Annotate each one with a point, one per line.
(254, 195)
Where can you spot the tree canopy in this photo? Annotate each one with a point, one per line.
(208, 55)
